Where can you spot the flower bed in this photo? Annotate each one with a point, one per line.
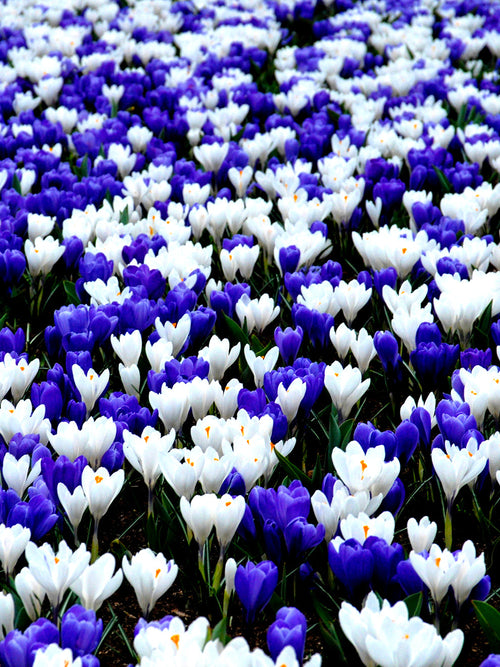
(250, 313)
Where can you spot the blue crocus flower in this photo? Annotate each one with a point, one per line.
(288, 342)
(255, 586)
(315, 325)
(386, 558)
(289, 629)
(300, 536)
(352, 563)
(422, 420)
(473, 357)
(18, 649)
(62, 470)
(81, 631)
(289, 258)
(407, 438)
(149, 283)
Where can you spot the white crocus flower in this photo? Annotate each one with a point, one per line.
(56, 571)
(143, 452)
(16, 473)
(97, 582)
(220, 356)
(385, 636)
(74, 504)
(13, 541)
(32, 593)
(257, 313)
(365, 471)
(421, 534)
(52, 655)
(100, 489)
(150, 575)
(456, 467)
(472, 569)
(128, 347)
(290, 398)
(437, 571)
(90, 385)
(199, 514)
(362, 527)
(42, 254)
(345, 387)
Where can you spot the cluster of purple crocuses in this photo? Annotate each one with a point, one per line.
(249, 326)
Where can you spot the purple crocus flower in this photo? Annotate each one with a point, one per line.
(289, 629)
(81, 631)
(255, 584)
(288, 342)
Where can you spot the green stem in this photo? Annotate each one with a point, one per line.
(218, 572)
(95, 542)
(448, 528)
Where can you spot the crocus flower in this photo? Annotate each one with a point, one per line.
(97, 582)
(386, 636)
(150, 575)
(345, 387)
(56, 571)
(255, 585)
(81, 631)
(289, 629)
(13, 541)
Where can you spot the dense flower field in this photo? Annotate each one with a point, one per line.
(249, 332)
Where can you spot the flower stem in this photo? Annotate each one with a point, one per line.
(94, 553)
(448, 528)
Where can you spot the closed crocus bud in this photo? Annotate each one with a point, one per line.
(288, 342)
(74, 504)
(150, 575)
(6, 614)
(472, 569)
(229, 574)
(97, 582)
(421, 534)
(255, 586)
(220, 356)
(32, 593)
(13, 541)
(290, 398)
(131, 379)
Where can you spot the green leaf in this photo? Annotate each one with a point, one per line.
(489, 619)
(329, 632)
(236, 330)
(124, 216)
(317, 476)
(445, 183)
(220, 631)
(16, 183)
(293, 471)
(346, 432)
(414, 604)
(69, 288)
(335, 435)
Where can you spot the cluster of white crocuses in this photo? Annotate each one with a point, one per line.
(52, 573)
(386, 635)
